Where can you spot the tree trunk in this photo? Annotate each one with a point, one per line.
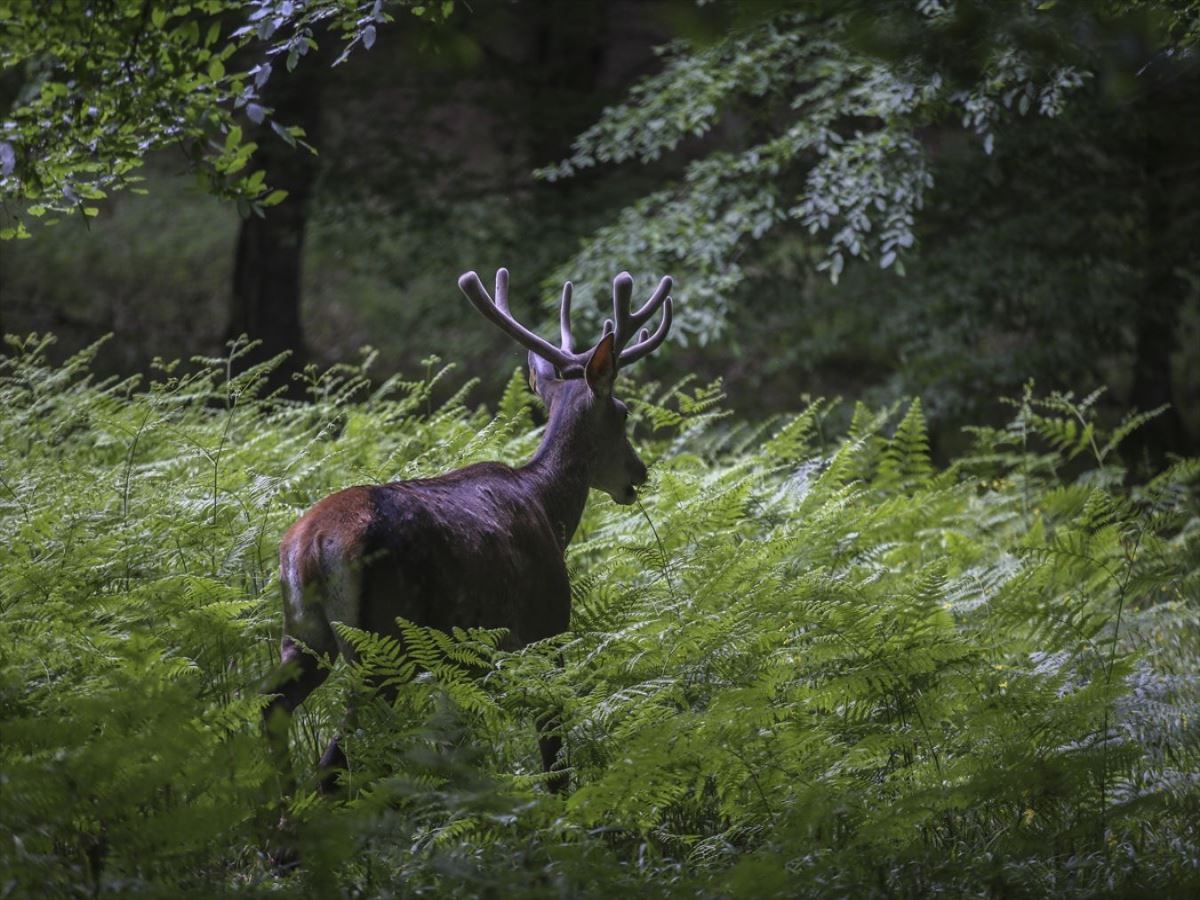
(1156, 321)
(266, 298)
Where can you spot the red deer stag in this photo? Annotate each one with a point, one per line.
(481, 546)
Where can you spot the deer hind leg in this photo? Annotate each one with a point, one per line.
(316, 592)
(305, 661)
(342, 603)
(304, 665)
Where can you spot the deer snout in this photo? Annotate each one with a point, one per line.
(640, 473)
(637, 477)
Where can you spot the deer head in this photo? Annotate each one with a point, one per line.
(587, 421)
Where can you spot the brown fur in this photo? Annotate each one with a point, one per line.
(334, 526)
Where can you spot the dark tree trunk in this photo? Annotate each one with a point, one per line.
(266, 297)
(1156, 321)
(568, 46)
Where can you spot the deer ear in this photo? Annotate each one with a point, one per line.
(602, 366)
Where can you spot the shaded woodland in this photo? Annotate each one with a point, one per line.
(427, 150)
(1052, 240)
(904, 600)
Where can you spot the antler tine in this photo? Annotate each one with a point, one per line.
(564, 318)
(647, 342)
(660, 295)
(627, 323)
(502, 290)
(622, 292)
(499, 315)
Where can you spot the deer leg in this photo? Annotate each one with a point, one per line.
(298, 675)
(329, 770)
(342, 587)
(550, 744)
(300, 672)
(333, 761)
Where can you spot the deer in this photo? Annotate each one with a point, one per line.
(481, 546)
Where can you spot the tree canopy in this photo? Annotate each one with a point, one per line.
(835, 118)
(105, 84)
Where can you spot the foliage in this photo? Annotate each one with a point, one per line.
(1054, 253)
(105, 84)
(833, 123)
(808, 664)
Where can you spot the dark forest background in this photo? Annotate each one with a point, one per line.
(1054, 241)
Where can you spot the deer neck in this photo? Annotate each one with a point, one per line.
(560, 474)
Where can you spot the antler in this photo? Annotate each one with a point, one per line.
(497, 312)
(628, 323)
(564, 357)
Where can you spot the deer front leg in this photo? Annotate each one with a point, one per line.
(550, 743)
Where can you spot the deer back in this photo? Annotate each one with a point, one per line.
(466, 549)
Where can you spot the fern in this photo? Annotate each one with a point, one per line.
(810, 663)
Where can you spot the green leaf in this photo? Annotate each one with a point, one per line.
(284, 132)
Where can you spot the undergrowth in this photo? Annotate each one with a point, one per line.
(809, 663)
